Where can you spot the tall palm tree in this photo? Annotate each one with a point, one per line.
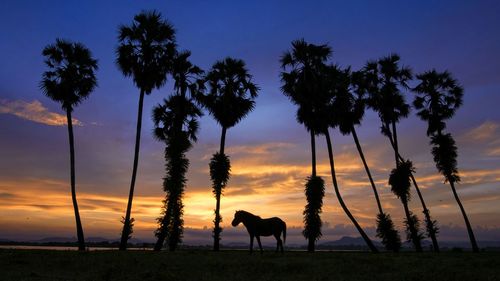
(438, 96)
(305, 85)
(332, 86)
(349, 108)
(384, 80)
(69, 80)
(300, 85)
(145, 51)
(176, 124)
(229, 98)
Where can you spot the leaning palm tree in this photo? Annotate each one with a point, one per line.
(383, 80)
(438, 96)
(327, 117)
(300, 85)
(229, 98)
(349, 108)
(144, 53)
(306, 86)
(176, 124)
(69, 80)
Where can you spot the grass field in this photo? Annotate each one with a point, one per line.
(239, 265)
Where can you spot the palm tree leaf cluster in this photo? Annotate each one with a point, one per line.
(400, 180)
(231, 92)
(71, 75)
(220, 168)
(146, 50)
(315, 191)
(387, 232)
(445, 154)
(413, 233)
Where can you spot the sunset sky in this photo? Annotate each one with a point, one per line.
(269, 150)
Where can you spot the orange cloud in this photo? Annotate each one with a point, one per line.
(485, 132)
(34, 111)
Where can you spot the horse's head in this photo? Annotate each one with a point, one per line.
(237, 218)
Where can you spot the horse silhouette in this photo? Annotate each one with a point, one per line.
(257, 227)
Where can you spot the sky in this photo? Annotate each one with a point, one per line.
(269, 150)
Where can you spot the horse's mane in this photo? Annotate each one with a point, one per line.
(248, 214)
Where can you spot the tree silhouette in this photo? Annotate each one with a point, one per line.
(333, 84)
(438, 96)
(399, 180)
(145, 51)
(69, 80)
(306, 84)
(300, 85)
(349, 108)
(229, 98)
(176, 124)
(383, 80)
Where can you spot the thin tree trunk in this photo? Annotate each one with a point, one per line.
(217, 229)
(126, 224)
(413, 231)
(426, 211)
(339, 197)
(395, 143)
(473, 242)
(313, 154)
(79, 228)
(362, 156)
(311, 243)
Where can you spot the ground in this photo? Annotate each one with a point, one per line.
(239, 265)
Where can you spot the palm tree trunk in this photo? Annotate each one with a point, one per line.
(413, 231)
(362, 156)
(79, 228)
(395, 143)
(341, 201)
(473, 242)
(311, 243)
(217, 220)
(126, 224)
(313, 154)
(428, 219)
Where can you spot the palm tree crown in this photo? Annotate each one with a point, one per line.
(230, 92)
(187, 76)
(71, 77)
(304, 83)
(383, 79)
(145, 50)
(438, 97)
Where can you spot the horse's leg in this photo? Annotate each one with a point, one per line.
(277, 242)
(251, 243)
(260, 245)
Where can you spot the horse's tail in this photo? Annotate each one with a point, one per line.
(284, 232)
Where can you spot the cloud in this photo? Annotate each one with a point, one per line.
(485, 132)
(34, 111)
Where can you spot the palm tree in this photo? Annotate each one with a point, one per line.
(229, 98)
(333, 82)
(300, 85)
(69, 80)
(349, 107)
(383, 79)
(145, 52)
(438, 96)
(176, 124)
(305, 85)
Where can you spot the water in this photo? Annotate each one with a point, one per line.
(62, 248)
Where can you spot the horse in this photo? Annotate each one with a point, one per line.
(256, 227)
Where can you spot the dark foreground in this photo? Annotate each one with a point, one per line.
(239, 265)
